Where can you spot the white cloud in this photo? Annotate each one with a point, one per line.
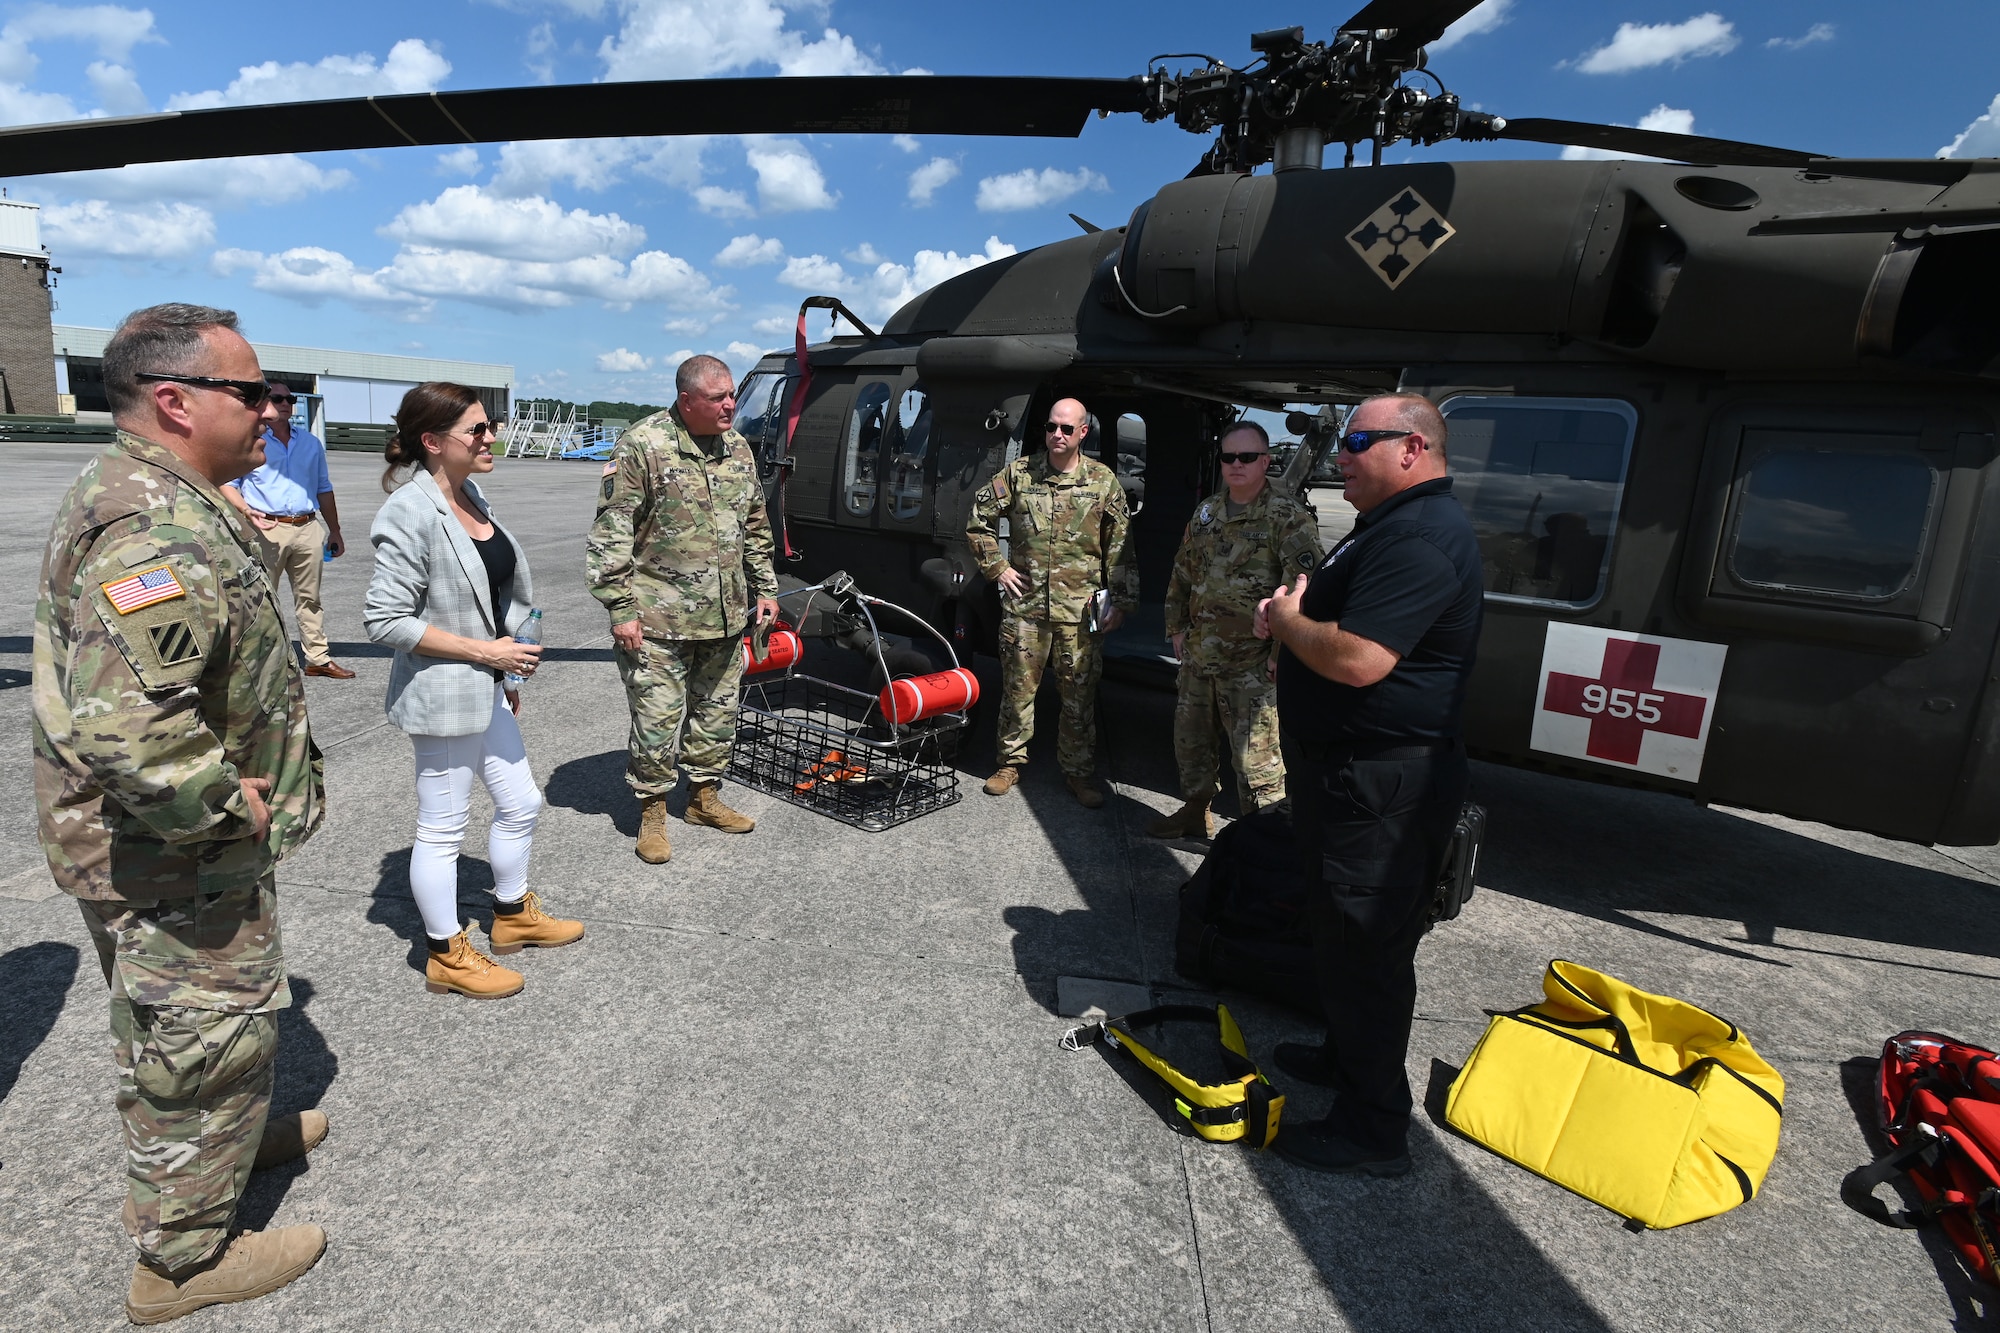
(884, 288)
(744, 251)
(412, 66)
(1033, 189)
(742, 355)
(147, 231)
(532, 166)
(25, 106)
(459, 162)
(540, 52)
(931, 177)
(1482, 19)
(816, 273)
(117, 89)
(665, 39)
(1666, 119)
(1980, 139)
(111, 29)
(863, 253)
(467, 218)
(1818, 32)
(776, 326)
(231, 183)
(311, 275)
(1644, 45)
(904, 143)
(721, 203)
(689, 325)
(622, 362)
(788, 178)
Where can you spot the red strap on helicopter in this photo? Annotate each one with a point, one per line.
(791, 429)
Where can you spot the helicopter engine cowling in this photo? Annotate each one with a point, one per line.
(1685, 265)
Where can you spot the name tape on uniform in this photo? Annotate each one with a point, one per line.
(1629, 700)
(148, 586)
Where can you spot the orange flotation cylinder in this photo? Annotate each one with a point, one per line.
(785, 649)
(915, 697)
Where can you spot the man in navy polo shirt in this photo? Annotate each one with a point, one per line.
(284, 500)
(1377, 645)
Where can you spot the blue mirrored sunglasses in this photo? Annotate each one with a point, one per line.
(1358, 441)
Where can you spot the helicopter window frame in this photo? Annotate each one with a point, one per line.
(1615, 510)
(908, 453)
(862, 446)
(1760, 445)
(767, 442)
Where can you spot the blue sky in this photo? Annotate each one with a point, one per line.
(592, 266)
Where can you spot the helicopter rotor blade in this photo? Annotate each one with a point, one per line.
(1694, 148)
(1417, 22)
(888, 104)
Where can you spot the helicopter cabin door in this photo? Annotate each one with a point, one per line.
(1842, 552)
(885, 478)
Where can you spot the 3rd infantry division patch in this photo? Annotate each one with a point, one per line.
(174, 642)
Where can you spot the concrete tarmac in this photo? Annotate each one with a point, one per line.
(809, 1078)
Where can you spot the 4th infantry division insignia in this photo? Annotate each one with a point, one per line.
(1400, 235)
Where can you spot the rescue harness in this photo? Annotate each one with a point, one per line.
(1241, 1107)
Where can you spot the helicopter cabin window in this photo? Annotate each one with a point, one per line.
(910, 443)
(760, 415)
(1830, 516)
(1542, 480)
(866, 423)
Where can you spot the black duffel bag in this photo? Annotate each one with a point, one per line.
(1242, 915)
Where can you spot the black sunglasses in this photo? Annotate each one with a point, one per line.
(479, 428)
(283, 398)
(1052, 427)
(1358, 441)
(1243, 458)
(254, 393)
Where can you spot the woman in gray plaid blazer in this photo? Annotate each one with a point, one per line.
(449, 591)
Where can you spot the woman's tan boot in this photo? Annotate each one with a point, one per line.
(513, 931)
(464, 969)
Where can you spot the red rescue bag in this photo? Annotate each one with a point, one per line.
(1939, 1103)
(782, 651)
(916, 697)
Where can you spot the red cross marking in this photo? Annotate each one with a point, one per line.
(1622, 704)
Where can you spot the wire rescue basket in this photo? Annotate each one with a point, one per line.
(833, 750)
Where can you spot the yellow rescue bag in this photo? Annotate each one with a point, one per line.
(1654, 1108)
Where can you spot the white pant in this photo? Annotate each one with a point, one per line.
(445, 766)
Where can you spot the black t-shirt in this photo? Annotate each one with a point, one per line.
(497, 554)
(1408, 577)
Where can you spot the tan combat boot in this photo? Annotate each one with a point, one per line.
(289, 1137)
(1086, 792)
(1004, 779)
(464, 969)
(253, 1264)
(515, 931)
(1192, 820)
(653, 847)
(705, 807)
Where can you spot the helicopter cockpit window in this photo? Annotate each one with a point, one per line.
(760, 414)
(910, 444)
(869, 418)
(1828, 521)
(1542, 480)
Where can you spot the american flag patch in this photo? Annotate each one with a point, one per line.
(148, 586)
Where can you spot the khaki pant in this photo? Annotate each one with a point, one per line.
(195, 983)
(1240, 708)
(296, 549)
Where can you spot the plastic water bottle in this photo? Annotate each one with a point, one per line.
(528, 633)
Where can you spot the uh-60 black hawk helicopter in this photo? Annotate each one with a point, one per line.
(1725, 422)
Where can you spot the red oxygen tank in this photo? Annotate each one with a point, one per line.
(784, 650)
(915, 697)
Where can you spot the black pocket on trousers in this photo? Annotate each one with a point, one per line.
(1372, 834)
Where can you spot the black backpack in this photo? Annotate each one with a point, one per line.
(1242, 915)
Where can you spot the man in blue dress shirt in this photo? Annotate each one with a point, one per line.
(280, 499)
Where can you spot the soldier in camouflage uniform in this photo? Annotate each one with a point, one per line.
(173, 770)
(1066, 539)
(1241, 543)
(680, 547)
